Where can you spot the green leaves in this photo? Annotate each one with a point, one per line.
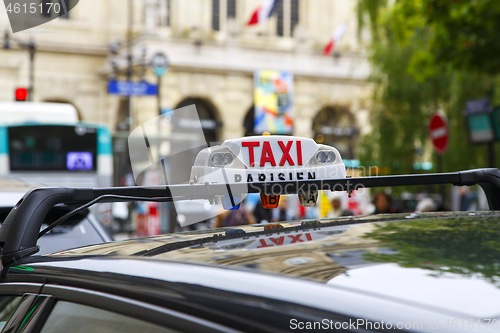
(462, 33)
(428, 55)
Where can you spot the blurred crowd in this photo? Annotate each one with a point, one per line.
(146, 216)
(338, 204)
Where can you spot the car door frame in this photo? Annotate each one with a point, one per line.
(20, 288)
(26, 289)
(129, 307)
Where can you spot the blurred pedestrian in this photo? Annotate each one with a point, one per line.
(231, 218)
(261, 214)
(337, 209)
(468, 199)
(384, 204)
(283, 213)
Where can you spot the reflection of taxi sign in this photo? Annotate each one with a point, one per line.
(268, 159)
(276, 240)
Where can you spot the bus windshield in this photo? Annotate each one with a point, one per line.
(52, 148)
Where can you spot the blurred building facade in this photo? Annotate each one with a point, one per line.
(212, 57)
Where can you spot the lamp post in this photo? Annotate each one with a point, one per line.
(129, 59)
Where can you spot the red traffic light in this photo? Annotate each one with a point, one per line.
(21, 94)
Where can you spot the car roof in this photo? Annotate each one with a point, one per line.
(423, 261)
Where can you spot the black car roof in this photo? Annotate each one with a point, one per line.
(21, 229)
(390, 267)
(404, 259)
(184, 244)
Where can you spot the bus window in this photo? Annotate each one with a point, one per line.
(52, 148)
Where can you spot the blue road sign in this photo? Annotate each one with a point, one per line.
(128, 88)
(167, 110)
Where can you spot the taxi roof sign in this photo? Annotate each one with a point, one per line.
(273, 158)
(277, 240)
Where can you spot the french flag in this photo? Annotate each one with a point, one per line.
(337, 35)
(263, 12)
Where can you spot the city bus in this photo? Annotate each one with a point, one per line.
(46, 144)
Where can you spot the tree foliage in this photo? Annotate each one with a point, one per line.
(463, 33)
(415, 73)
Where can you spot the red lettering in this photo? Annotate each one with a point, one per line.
(299, 152)
(296, 239)
(263, 244)
(278, 241)
(267, 154)
(286, 153)
(250, 145)
(308, 236)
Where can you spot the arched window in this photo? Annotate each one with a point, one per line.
(336, 126)
(248, 122)
(187, 151)
(208, 117)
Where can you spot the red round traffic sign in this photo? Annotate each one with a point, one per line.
(439, 132)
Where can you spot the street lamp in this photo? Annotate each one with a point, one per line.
(116, 61)
(31, 47)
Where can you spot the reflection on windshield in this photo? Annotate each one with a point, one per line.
(459, 245)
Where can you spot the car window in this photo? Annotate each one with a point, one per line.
(76, 318)
(8, 305)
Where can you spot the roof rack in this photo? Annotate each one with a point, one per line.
(21, 230)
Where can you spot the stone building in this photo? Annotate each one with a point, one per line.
(212, 57)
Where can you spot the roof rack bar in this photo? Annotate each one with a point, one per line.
(19, 232)
(203, 191)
